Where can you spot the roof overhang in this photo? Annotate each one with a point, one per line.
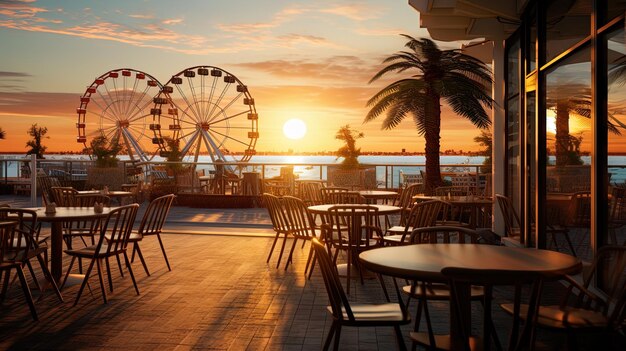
(450, 20)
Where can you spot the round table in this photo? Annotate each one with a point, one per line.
(374, 195)
(117, 194)
(424, 262)
(382, 209)
(64, 214)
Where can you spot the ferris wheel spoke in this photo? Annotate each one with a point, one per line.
(202, 107)
(192, 89)
(140, 109)
(131, 98)
(228, 117)
(213, 85)
(139, 118)
(229, 127)
(104, 111)
(111, 100)
(229, 137)
(227, 106)
(182, 94)
(219, 99)
(106, 103)
(117, 97)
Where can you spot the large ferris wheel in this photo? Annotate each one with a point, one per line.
(116, 105)
(206, 110)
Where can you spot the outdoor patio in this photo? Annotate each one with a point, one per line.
(220, 294)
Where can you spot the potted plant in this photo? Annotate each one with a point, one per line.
(106, 171)
(350, 173)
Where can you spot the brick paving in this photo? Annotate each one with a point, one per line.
(220, 295)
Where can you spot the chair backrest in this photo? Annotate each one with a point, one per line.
(277, 213)
(353, 225)
(511, 219)
(311, 193)
(62, 196)
(608, 269)
(405, 200)
(326, 191)
(423, 214)
(88, 200)
(336, 295)
(453, 191)
(117, 228)
(580, 209)
(488, 279)
(344, 197)
(617, 212)
(23, 237)
(300, 221)
(154, 218)
(444, 235)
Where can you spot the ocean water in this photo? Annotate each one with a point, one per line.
(306, 169)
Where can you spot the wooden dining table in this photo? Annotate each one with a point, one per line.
(372, 196)
(424, 262)
(64, 214)
(116, 194)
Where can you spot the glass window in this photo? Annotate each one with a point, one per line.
(567, 23)
(616, 108)
(569, 143)
(513, 127)
(531, 47)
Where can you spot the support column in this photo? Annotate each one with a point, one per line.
(498, 157)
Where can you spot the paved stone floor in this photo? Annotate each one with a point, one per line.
(220, 295)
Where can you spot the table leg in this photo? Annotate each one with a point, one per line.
(456, 333)
(56, 250)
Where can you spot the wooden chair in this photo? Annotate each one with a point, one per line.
(113, 241)
(301, 227)
(187, 181)
(353, 229)
(310, 193)
(617, 213)
(327, 191)
(353, 314)
(424, 291)
(62, 196)
(82, 229)
(405, 200)
(423, 214)
(344, 197)
(17, 247)
(461, 278)
(152, 224)
(585, 310)
(512, 224)
(280, 223)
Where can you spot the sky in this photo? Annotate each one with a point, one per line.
(310, 60)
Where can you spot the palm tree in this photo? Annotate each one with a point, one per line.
(2, 133)
(461, 80)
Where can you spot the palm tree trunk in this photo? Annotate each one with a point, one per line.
(431, 136)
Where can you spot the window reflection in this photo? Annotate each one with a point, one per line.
(567, 23)
(616, 107)
(569, 142)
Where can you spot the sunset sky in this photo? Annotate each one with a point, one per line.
(310, 60)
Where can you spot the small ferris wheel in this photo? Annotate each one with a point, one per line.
(116, 106)
(206, 110)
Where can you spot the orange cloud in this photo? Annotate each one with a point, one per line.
(356, 12)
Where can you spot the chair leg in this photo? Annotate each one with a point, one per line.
(337, 337)
(5, 284)
(308, 261)
(282, 249)
(101, 279)
(130, 271)
(143, 261)
(49, 278)
(329, 338)
(32, 274)
(119, 265)
(69, 269)
(290, 258)
(108, 266)
(163, 250)
(569, 243)
(313, 261)
(273, 246)
(27, 294)
(383, 286)
(399, 338)
(82, 286)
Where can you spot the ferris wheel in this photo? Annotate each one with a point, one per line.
(206, 110)
(116, 105)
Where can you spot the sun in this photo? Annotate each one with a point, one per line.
(294, 129)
